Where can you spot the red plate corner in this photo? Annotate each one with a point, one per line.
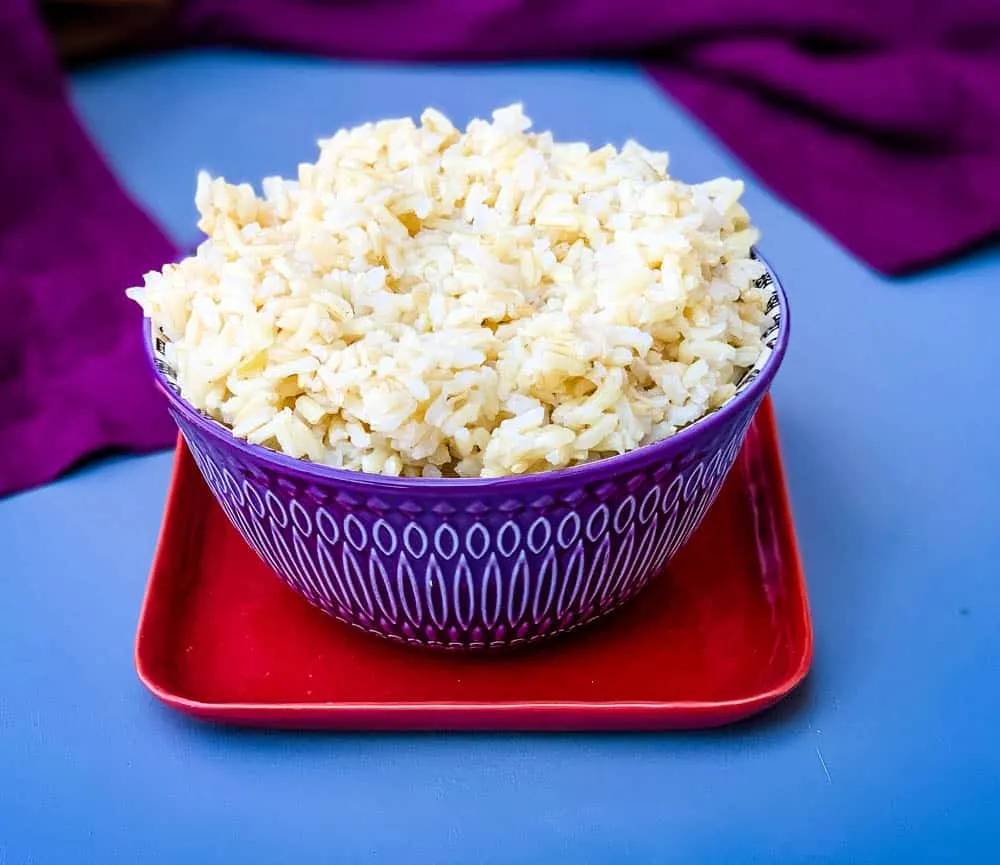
(724, 633)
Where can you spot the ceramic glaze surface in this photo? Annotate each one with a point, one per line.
(474, 570)
(476, 563)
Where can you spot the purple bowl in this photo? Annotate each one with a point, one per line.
(476, 563)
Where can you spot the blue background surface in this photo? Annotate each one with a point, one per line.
(889, 416)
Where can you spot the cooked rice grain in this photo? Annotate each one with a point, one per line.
(427, 302)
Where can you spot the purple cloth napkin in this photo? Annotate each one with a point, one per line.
(73, 376)
(877, 118)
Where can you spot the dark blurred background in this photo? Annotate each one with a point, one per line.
(85, 30)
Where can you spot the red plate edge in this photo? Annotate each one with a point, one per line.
(483, 716)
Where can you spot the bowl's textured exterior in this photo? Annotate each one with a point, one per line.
(475, 563)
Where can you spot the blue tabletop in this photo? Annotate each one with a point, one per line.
(889, 415)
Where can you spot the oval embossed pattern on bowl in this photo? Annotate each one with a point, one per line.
(475, 563)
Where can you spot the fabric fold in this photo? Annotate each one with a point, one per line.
(73, 375)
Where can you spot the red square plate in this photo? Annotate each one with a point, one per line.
(724, 633)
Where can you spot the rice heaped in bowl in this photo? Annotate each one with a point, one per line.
(467, 389)
(427, 302)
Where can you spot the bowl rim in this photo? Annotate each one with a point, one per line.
(539, 482)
